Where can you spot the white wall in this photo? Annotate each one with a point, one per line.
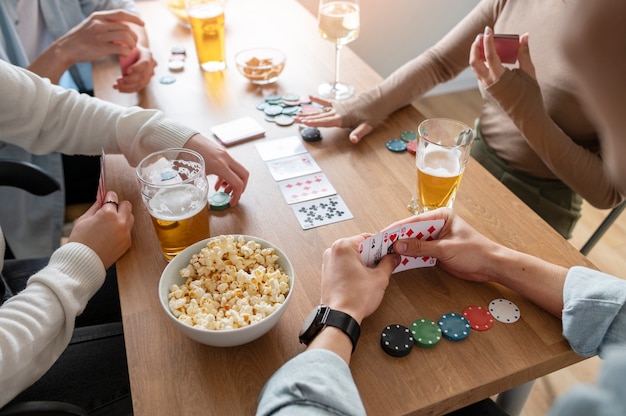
(394, 31)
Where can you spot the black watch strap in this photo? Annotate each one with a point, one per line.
(346, 323)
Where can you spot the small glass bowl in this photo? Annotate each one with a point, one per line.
(261, 66)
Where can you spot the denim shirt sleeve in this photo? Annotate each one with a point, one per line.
(594, 316)
(315, 382)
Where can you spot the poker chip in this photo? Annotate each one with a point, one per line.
(273, 110)
(219, 201)
(504, 310)
(454, 327)
(283, 120)
(176, 65)
(426, 333)
(479, 318)
(167, 79)
(311, 134)
(411, 147)
(396, 340)
(408, 136)
(396, 145)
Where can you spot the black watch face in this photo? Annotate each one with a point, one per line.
(312, 325)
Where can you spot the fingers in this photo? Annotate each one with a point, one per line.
(361, 131)
(118, 16)
(523, 56)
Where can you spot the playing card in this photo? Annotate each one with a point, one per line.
(321, 211)
(373, 248)
(290, 167)
(235, 131)
(305, 188)
(276, 149)
(101, 194)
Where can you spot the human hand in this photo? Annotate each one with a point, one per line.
(230, 174)
(137, 75)
(105, 230)
(329, 117)
(460, 250)
(350, 286)
(491, 69)
(102, 33)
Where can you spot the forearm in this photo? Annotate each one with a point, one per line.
(581, 169)
(538, 280)
(335, 340)
(52, 62)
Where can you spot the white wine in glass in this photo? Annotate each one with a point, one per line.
(339, 22)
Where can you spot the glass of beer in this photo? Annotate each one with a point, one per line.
(174, 188)
(207, 25)
(443, 149)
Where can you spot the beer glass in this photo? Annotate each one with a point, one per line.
(339, 22)
(174, 188)
(443, 149)
(178, 9)
(206, 18)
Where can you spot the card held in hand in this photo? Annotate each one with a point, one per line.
(102, 192)
(372, 249)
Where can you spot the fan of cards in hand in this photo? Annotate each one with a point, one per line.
(373, 248)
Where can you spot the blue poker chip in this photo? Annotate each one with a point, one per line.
(396, 145)
(454, 327)
(219, 201)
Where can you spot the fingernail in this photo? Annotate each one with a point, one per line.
(401, 247)
(487, 30)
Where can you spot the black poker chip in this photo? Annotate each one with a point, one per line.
(396, 340)
(311, 134)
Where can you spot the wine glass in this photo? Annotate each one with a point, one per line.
(339, 22)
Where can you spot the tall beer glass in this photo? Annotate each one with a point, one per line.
(207, 25)
(174, 188)
(443, 149)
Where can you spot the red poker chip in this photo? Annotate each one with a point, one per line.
(479, 318)
(411, 147)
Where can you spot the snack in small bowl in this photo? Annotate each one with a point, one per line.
(227, 290)
(261, 65)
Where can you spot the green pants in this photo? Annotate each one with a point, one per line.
(554, 201)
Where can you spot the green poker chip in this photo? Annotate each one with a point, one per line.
(426, 333)
(219, 201)
(408, 136)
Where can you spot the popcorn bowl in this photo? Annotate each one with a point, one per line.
(223, 337)
(260, 65)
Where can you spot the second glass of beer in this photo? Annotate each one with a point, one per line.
(207, 25)
(443, 149)
(174, 188)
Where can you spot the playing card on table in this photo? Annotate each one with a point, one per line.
(276, 149)
(376, 246)
(290, 167)
(102, 192)
(305, 188)
(321, 211)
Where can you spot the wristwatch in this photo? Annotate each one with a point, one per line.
(321, 316)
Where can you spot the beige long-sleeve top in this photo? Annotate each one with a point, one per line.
(538, 127)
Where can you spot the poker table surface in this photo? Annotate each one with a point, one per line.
(171, 374)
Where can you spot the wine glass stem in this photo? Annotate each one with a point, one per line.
(337, 54)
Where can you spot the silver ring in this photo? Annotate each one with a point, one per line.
(327, 109)
(117, 206)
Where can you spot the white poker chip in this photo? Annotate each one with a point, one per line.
(504, 311)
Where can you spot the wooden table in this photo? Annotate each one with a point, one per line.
(170, 374)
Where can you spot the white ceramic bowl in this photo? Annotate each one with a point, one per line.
(261, 65)
(224, 337)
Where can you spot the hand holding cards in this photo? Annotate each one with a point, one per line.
(372, 249)
(506, 47)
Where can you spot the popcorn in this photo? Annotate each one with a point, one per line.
(231, 283)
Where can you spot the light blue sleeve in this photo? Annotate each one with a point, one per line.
(594, 316)
(316, 382)
(607, 397)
